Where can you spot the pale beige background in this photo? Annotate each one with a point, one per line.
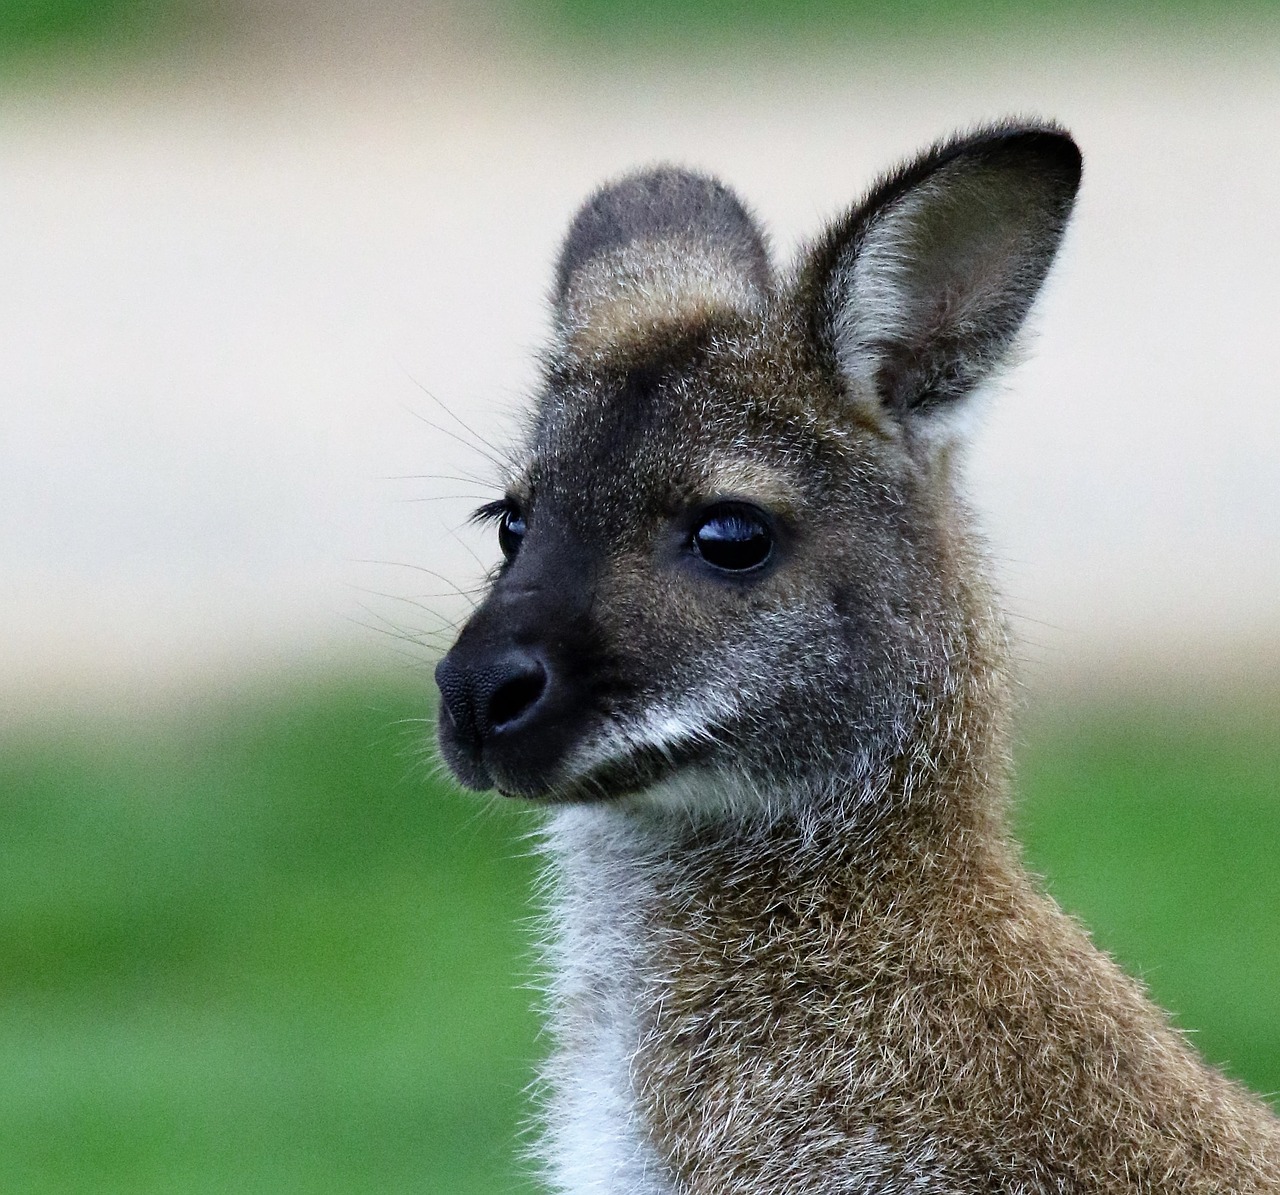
(227, 284)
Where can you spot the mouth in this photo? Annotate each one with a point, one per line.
(610, 780)
(584, 768)
(522, 766)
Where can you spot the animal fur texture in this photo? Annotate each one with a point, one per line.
(743, 649)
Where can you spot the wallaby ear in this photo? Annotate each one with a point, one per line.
(916, 295)
(659, 247)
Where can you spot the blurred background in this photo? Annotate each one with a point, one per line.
(273, 278)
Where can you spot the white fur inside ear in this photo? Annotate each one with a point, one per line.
(631, 291)
(875, 292)
(928, 300)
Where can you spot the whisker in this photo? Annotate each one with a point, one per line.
(462, 423)
(450, 498)
(469, 549)
(457, 589)
(428, 638)
(497, 462)
(469, 479)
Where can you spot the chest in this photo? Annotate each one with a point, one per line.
(681, 1049)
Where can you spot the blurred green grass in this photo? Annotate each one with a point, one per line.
(109, 28)
(97, 28)
(257, 949)
(1158, 823)
(671, 23)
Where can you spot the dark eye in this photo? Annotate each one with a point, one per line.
(510, 532)
(733, 539)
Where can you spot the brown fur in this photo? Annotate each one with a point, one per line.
(906, 980)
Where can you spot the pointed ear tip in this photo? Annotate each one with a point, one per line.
(1052, 146)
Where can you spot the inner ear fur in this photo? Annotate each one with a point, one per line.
(659, 247)
(916, 294)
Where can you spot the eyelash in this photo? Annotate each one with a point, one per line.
(492, 512)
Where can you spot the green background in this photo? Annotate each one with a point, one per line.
(258, 948)
(105, 28)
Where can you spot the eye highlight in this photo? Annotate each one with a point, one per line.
(734, 539)
(511, 525)
(510, 533)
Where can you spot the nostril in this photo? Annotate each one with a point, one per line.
(516, 695)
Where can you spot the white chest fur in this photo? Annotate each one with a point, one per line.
(601, 927)
(616, 881)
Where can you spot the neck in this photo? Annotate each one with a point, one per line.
(645, 894)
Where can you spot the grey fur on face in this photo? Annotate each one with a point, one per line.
(684, 380)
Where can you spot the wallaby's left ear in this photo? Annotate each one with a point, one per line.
(916, 295)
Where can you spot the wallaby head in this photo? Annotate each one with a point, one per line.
(742, 640)
(735, 563)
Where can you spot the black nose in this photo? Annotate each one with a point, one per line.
(490, 695)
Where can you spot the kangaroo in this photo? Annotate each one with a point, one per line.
(743, 649)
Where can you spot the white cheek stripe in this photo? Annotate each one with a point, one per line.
(662, 728)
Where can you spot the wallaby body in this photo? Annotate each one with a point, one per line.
(743, 646)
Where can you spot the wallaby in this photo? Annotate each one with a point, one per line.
(744, 649)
